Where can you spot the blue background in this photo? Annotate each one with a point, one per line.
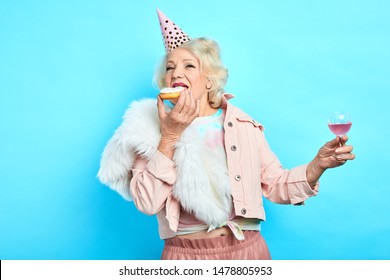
(68, 70)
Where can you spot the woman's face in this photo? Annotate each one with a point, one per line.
(183, 69)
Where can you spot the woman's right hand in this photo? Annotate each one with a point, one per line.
(173, 123)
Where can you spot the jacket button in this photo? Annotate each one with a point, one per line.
(233, 147)
(230, 124)
(238, 177)
(243, 211)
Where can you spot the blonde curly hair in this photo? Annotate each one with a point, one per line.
(208, 53)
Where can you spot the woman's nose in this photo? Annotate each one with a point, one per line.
(177, 73)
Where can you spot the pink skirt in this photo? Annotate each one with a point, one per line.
(218, 248)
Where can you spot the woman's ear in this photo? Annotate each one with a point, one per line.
(209, 84)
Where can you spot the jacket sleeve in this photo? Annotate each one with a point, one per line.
(151, 182)
(282, 185)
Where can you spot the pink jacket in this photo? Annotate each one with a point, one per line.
(254, 172)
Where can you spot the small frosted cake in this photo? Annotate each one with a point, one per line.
(170, 93)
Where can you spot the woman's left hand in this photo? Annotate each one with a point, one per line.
(333, 154)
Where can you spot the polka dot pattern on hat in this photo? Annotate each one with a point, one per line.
(172, 35)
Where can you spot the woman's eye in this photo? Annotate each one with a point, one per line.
(190, 66)
(169, 68)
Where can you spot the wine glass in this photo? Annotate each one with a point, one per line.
(339, 123)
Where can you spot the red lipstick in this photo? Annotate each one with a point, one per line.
(179, 85)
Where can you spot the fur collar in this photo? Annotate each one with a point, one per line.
(202, 185)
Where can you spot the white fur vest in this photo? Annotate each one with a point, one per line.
(202, 186)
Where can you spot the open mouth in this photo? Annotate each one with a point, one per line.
(179, 85)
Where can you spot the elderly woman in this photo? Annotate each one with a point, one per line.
(201, 164)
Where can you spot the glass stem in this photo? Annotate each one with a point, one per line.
(340, 144)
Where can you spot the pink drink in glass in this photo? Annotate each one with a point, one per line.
(340, 129)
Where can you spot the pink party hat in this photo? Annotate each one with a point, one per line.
(173, 36)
